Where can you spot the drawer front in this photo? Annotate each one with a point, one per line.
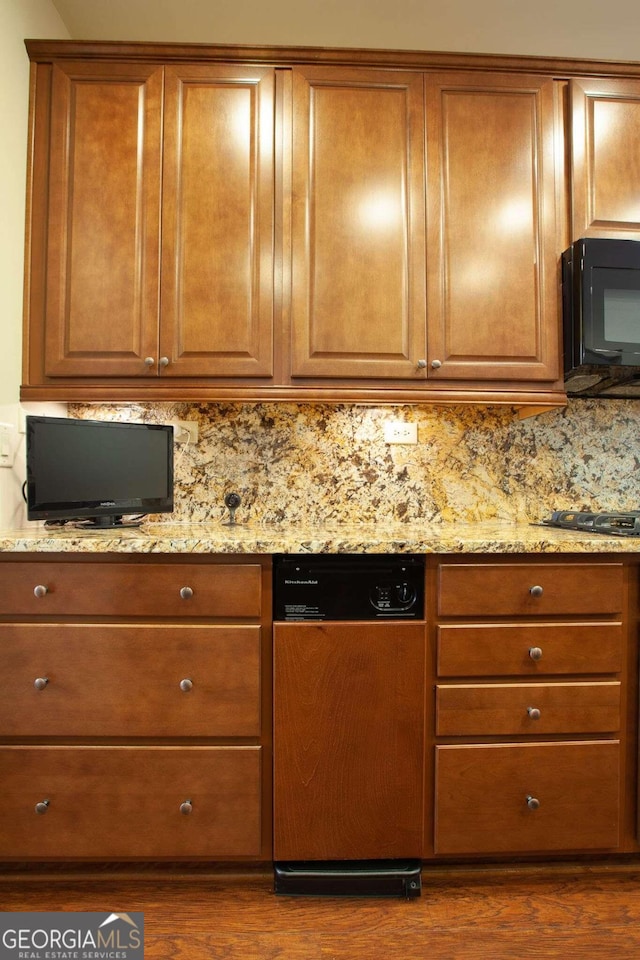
(486, 797)
(123, 802)
(130, 589)
(528, 709)
(493, 649)
(485, 590)
(127, 681)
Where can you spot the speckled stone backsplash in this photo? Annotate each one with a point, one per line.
(315, 463)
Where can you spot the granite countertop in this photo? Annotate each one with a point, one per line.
(167, 538)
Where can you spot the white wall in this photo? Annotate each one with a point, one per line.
(19, 19)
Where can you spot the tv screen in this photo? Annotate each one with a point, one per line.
(97, 471)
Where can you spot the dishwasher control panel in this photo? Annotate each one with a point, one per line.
(348, 587)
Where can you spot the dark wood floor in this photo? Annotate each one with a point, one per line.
(464, 915)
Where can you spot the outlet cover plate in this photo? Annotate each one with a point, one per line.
(400, 431)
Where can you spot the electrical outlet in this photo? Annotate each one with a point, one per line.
(398, 431)
(185, 431)
(7, 444)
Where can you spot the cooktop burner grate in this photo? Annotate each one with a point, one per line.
(624, 524)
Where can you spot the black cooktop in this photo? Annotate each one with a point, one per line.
(623, 524)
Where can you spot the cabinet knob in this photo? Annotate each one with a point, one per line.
(421, 364)
(40, 591)
(40, 682)
(186, 593)
(534, 713)
(533, 803)
(186, 685)
(149, 361)
(186, 808)
(436, 364)
(42, 806)
(535, 653)
(536, 591)
(163, 362)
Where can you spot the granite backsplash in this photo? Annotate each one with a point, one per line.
(317, 462)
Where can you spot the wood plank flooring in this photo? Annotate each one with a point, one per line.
(581, 913)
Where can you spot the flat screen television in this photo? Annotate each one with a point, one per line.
(97, 472)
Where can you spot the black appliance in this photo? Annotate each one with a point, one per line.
(623, 524)
(343, 587)
(601, 318)
(97, 471)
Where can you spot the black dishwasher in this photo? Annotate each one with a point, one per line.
(349, 695)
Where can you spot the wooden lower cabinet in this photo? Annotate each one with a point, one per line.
(135, 708)
(533, 719)
(130, 801)
(527, 798)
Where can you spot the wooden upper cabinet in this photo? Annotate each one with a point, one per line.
(358, 283)
(217, 221)
(121, 302)
(104, 219)
(605, 158)
(492, 289)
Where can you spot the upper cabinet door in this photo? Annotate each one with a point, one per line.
(358, 298)
(104, 219)
(605, 158)
(218, 213)
(492, 287)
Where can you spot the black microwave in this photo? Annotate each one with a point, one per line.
(601, 318)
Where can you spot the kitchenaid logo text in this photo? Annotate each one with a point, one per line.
(71, 936)
(313, 583)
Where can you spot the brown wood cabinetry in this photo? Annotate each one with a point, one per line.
(212, 230)
(605, 157)
(530, 710)
(358, 242)
(159, 236)
(491, 240)
(135, 709)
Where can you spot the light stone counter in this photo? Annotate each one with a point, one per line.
(211, 538)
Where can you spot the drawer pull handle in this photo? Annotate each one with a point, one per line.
(40, 591)
(536, 591)
(40, 682)
(535, 653)
(533, 803)
(534, 713)
(186, 808)
(186, 593)
(42, 806)
(186, 685)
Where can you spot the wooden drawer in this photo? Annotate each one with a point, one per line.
(131, 589)
(504, 589)
(124, 681)
(123, 802)
(530, 709)
(493, 649)
(482, 796)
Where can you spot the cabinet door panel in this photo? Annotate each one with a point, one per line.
(491, 264)
(218, 209)
(605, 160)
(348, 740)
(104, 228)
(357, 223)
